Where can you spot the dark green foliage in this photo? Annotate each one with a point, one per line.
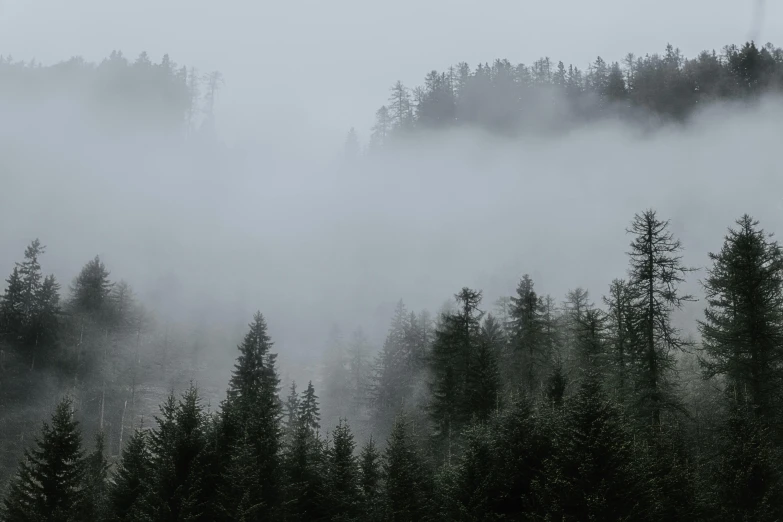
(482, 386)
(747, 483)
(527, 340)
(309, 411)
(96, 486)
(743, 328)
(370, 486)
(50, 482)
(407, 486)
(620, 323)
(306, 471)
(592, 473)
(458, 383)
(343, 475)
(506, 98)
(655, 272)
(91, 289)
(254, 410)
(131, 480)
(556, 386)
(177, 445)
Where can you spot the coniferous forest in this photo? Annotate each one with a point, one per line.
(594, 405)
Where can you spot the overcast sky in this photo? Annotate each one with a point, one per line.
(312, 68)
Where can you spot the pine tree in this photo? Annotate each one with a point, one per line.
(131, 481)
(526, 334)
(370, 481)
(49, 483)
(656, 270)
(305, 469)
(592, 474)
(620, 321)
(176, 445)
(91, 288)
(743, 328)
(255, 410)
(457, 340)
(343, 487)
(406, 484)
(747, 482)
(482, 387)
(309, 412)
(12, 318)
(291, 413)
(96, 482)
(591, 340)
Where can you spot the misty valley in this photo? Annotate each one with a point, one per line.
(532, 293)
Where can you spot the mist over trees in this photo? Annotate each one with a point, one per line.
(593, 405)
(546, 96)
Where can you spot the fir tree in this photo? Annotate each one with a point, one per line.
(91, 288)
(256, 408)
(743, 328)
(455, 383)
(343, 487)
(370, 481)
(592, 474)
(406, 484)
(49, 484)
(309, 412)
(526, 334)
(96, 482)
(131, 481)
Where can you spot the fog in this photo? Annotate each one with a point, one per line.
(207, 234)
(307, 71)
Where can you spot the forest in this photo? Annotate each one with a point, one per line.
(529, 407)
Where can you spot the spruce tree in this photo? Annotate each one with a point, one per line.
(370, 481)
(291, 407)
(91, 288)
(176, 446)
(305, 467)
(256, 410)
(592, 474)
(743, 327)
(482, 387)
(12, 317)
(96, 484)
(746, 482)
(406, 483)
(526, 335)
(655, 271)
(343, 478)
(49, 484)
(457, 341)
(131, 482)
(619, 323)
(309, 411)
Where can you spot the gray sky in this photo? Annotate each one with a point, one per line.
(308, 69)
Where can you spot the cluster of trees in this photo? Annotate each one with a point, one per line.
(98, 343)
(508, 98)
(124, 93)
(532, 412)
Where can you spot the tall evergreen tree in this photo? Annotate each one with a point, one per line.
(130, 483)
(91, 288)
(254, 408)
(370, 477)
(49, 484)
(655, 271)
(743, 327)
(526, 335)
(406, 483)
(96, 484)
(343, 478)
(457, 341)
